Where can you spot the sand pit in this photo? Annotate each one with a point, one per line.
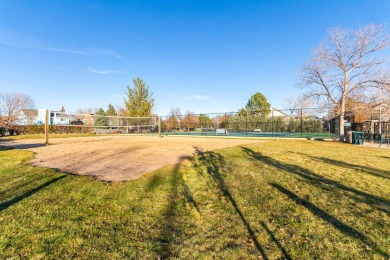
(118, 158)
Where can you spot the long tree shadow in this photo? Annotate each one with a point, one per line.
(170, 230)
(29, 193)
(276, 241)
(344, 228)
(318, 180)
(366, 169)
(22, 184)
(212, 162)
(172, 227)
(26, 146)
(5, 148)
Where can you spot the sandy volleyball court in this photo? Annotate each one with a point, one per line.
(118, 158)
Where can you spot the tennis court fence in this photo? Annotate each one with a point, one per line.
(309, 122)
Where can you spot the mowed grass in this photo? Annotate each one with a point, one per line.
(279, 199)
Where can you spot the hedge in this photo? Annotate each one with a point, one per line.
(40, 129)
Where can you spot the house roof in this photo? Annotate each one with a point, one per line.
(30, 112)
(278, 112)
(61, 115)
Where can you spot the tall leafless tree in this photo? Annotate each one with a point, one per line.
(174, 118)
(347, 64)
(86, 110)
(300, 106)
(190, 120)
(11, 104)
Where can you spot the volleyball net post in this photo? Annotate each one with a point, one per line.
(47, 127)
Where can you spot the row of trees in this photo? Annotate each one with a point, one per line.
(189, 121)
(237, 123)
(256, 114)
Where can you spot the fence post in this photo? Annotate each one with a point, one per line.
(246, 124)
(225, 124)
(159, 126)
(380, 119)
(301, 122)
(47, 127)
(272, 122)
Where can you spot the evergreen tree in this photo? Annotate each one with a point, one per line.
(259, 103)
(205, 120)
(100, 118)
(62, 109)
(140, 100)
(111, 111)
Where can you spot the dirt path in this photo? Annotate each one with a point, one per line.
(118, 158)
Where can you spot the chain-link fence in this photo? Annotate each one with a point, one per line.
(278, 123)
(308, 123)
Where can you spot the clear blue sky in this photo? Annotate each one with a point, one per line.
(202, 56)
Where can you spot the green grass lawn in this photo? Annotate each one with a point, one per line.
(280, 199)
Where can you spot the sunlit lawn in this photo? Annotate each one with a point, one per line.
(278, 199)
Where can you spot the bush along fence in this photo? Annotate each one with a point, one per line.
(40, 129)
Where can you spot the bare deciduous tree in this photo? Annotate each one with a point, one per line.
(86, 110)
(347, 65)
(11, 104)
(190, 120)
(174, 118)
(300, 106)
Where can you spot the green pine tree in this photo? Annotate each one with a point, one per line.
(205, 120)
(140, 100)
(259, 104)
(100, 118)
(111, 111)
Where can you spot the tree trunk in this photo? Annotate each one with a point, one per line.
(341, 127)
(341, 121)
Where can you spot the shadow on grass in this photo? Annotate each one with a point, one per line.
(318, 180)
(154, 182)
(19, 186)
(9, 145)
(366, 169)
(172, 227)
(5, 148)
(328, 218)
(212, 162)
(9, 203)
(271, 234)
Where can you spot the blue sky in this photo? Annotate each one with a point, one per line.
(202, 56)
